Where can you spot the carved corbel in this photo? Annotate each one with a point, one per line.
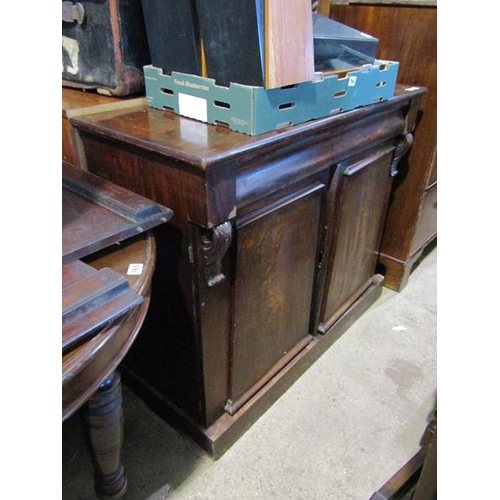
(402, 148)
(215, 243)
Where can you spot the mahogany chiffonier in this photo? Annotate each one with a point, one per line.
(270, 256)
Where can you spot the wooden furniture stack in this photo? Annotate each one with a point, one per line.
(270, 256)
(108, 260)
(407, 30)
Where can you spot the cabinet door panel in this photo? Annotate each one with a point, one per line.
(275, 263)
(360, 207)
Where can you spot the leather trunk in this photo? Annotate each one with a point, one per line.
(104, 46)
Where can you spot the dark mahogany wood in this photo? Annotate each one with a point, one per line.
(275, 267)
(103, 306)
(104, 419)
(269, 257)
(97, 213)
(408, 34)
(85, 367)
(362, 186)
(90, 379)
(91, 301)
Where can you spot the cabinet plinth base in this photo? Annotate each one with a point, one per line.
(397, 272)
(227, 429)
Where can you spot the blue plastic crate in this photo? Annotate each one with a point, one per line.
(256, 110)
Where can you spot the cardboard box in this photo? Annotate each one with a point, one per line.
(255, 110)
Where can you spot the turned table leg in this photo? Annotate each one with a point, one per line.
(104, 420)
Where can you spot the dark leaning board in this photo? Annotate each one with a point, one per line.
(173, 35)
(233, 42)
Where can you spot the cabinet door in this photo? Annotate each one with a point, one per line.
(360, 193)
(276, 255)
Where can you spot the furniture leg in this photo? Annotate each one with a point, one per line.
(104, 421)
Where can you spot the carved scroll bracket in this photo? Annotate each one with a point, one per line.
(402, 148)
(215, 243)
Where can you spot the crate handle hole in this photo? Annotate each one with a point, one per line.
(340, 93)
(287, 105)
(164, 90)
(381, 84)
(222, 104)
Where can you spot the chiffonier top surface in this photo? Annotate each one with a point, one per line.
(205, 146)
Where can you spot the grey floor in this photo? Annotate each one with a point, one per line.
(339, 433)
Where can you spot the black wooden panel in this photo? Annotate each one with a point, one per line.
(232, 35)
(173, 35)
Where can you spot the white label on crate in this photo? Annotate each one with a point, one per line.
(135, 269)
(193, 107)
(352, 81)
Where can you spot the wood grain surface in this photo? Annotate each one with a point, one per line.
(289, 42)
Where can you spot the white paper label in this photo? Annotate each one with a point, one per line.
(352, 81)
(193, 107)
(135, 269)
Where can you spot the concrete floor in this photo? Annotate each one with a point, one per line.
(339, 433)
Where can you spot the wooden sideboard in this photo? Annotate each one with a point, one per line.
(270, 256)
(407, 30)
